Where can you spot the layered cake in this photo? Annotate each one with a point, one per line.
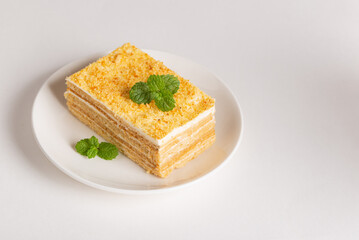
(158, 141)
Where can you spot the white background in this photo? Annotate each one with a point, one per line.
(294, 67)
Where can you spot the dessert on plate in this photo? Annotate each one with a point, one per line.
(158, 141)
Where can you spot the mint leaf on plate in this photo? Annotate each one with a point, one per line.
(90, 147)
(107, 151)
(94, 141)
(92, 152)
(83, 146)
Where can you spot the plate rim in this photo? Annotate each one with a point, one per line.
(142, 191)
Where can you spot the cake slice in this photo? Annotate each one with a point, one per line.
(158, 141)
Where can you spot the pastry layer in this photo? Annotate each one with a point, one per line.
(159, 161)
(121, 129)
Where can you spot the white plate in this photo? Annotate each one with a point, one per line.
(57, 132)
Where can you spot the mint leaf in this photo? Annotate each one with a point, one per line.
(92, 152)
(83, 146)
(156, 83)
(90, 147)
(107, 151)
(158, 87)
(140, 93)
(164, 100)
(171, 83)
(94, 141)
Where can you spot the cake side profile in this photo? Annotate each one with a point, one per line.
(98, 95)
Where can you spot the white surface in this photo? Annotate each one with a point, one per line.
(57, 131)
(294, 68)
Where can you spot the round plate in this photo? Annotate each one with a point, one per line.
(57, 132)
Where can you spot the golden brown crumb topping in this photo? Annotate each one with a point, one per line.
(110, 79)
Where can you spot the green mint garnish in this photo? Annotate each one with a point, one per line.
(164, 100)
(156, 83)
(92, 152)
(94, 141)
(83, 146)
(159, 88)
(90, 147)
(107, 151)
(140, 93)
(171, 83)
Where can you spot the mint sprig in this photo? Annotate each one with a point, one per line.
(83, 146)
(171, 83)
(107, 151)
(90, 147)
(92, 152)
(164, 100)
(140, 93)
(94, 141)
(159, 88)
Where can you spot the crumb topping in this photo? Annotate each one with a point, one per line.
(111, 77)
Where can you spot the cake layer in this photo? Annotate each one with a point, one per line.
(184, 138)
(190, 155)
(187, 154)
(182, 157)
(86, 97)
(141, 161)
(120, 130)
(145, 156)
(166, 151)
